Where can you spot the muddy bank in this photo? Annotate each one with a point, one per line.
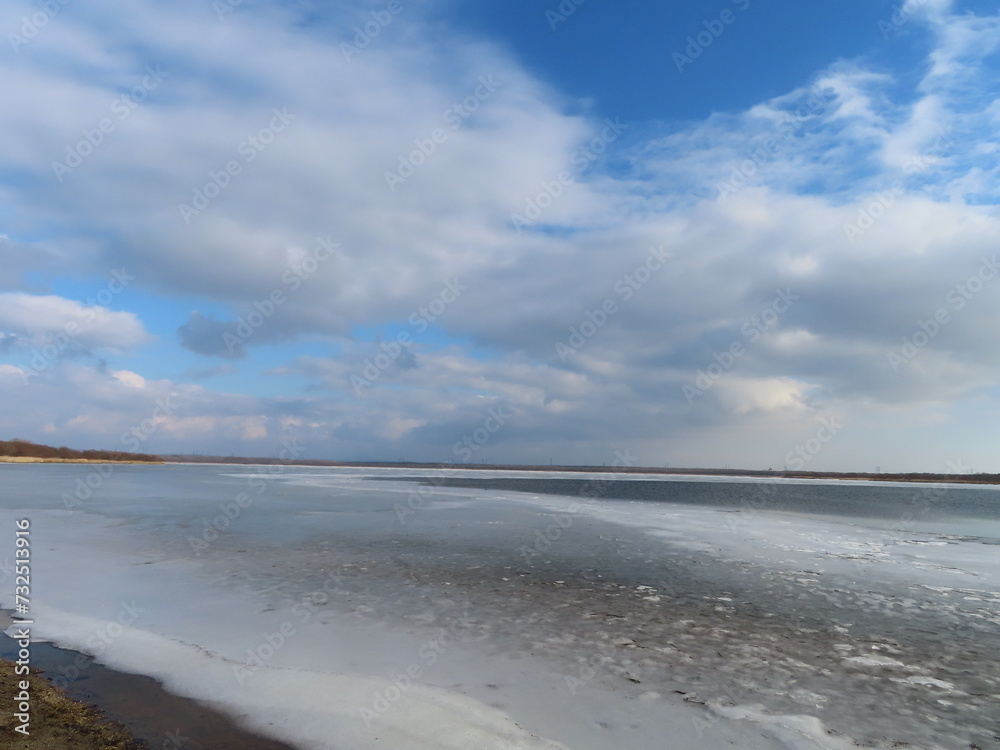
(142, 714)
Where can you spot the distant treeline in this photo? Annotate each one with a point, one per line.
(982, 478)
(17, 448)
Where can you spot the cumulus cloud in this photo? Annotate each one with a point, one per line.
(37, 319)
(330, 195)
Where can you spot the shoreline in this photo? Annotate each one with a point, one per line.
(911, 478)
(104, 708)
(56, 721)
(40, 460)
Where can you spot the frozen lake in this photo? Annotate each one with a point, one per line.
(357, 608)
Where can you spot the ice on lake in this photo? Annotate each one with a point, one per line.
(355, 608)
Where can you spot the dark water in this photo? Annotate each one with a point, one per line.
(843, 499)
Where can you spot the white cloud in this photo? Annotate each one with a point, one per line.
(41, 318)
(130, 378)
(10, 372)
(838, 144)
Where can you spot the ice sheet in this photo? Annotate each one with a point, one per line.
(593, 623)
(337, 681)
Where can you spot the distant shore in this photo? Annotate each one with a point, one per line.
(40, 460)
(26, 452)
(981, 478)
(23, 451)
(987, 479)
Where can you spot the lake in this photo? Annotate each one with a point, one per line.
(405, 608)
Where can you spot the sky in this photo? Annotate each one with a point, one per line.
(719, 233)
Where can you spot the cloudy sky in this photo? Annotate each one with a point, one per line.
(712, 233)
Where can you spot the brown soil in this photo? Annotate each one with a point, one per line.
(57, 721)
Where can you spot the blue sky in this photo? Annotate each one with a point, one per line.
(700, 232)
(619, 57)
